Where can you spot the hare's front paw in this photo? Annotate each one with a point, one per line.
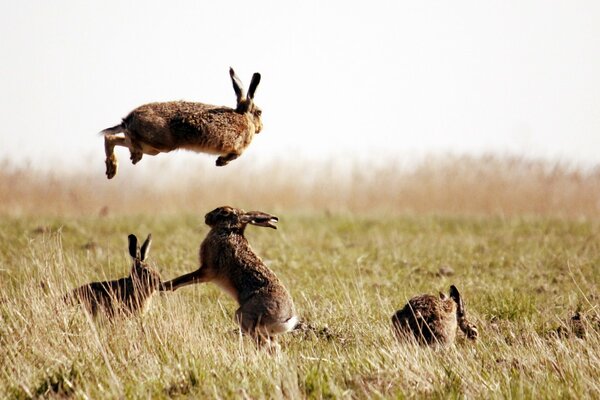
(224, 160)
(472, 332)
(221, 161)
(136, 156)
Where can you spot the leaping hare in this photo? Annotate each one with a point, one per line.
(128, 295)
(434, 320)
(226, 259)
(163, 127)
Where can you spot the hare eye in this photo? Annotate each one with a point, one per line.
(258, 112)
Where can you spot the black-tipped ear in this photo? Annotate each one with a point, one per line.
(253, 85)
(146, 248)
(237, 85)
(133, 249)
(455, 295)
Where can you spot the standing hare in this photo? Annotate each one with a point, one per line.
(163, 127)
(226, 258)
(434, 320)
(128, 295)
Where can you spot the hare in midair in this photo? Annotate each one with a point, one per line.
(163, 127)
(226, 259)
(432, 320)
(129, 295)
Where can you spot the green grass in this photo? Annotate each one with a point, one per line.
(521, 279)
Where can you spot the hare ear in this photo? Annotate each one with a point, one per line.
(133, 249)
(237, 85)
(146, 248)
(455, 294)
(253, 85)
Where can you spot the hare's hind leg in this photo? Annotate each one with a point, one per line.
(112, 165)
(249, 324)
(246, 321)
(224, 160)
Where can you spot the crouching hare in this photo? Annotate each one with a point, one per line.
(226, 259)
(432, 320)
(163, 127)
(125, 296)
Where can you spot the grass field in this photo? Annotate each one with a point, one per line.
(522, 279)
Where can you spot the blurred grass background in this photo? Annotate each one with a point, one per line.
(486, 185)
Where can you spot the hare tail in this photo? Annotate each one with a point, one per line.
(114, 129)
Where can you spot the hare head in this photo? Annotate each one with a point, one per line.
(245, 104)
(231, 218)
(142, 274)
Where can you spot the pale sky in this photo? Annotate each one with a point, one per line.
(344, 78)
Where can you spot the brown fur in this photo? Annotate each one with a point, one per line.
(125, 296)
(433, 320)
(226, 259)
(163, 127)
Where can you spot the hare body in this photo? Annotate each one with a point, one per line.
(226, 259)
(130, 295)
(434, 320)
(163, 127)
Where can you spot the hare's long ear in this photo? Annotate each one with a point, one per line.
(237, 85)
(455, 294)
(253, 85)
(146, 248)
(133, 247)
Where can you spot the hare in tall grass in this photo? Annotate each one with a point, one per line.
(432, 320)
(163, 127)
(226, 259)
(125, 296)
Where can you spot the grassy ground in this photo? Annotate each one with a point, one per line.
(522, 278)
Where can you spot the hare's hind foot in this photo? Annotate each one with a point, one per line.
(271, 346)
(112, 166)
(110, 141)
(224, 160)
(265, 342)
